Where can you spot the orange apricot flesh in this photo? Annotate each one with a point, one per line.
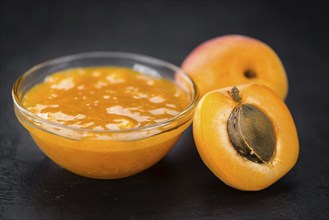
(210, 130)
(233, 60)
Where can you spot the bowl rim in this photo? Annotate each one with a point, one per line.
(113, 54)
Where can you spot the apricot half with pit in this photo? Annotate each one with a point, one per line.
(246, 136)
(233, 60)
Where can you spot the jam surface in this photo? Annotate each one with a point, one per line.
(105, 98)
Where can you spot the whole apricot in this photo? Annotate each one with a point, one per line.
(246, 136)
(233, 60)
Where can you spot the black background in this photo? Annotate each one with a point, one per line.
(179, 186)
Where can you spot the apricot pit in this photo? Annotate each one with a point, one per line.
(250, 131)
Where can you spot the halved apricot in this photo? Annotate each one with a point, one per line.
(233, 60)
(246, 136)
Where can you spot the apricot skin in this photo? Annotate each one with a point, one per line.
(233, 60)
(217, 152)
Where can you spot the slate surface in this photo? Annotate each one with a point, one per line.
(179, 186)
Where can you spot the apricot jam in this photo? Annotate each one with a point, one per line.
(105, 98)
(106, 122)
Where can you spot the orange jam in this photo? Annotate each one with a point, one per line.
(96, 121)
(105, 98)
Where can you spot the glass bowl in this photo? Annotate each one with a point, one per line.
(98, 153)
